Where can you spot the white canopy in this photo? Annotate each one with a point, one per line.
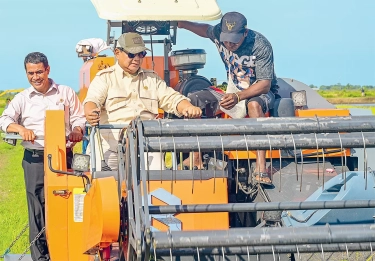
(97, 45)
(159, 10)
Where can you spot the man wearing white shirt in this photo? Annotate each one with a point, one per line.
(26, 115)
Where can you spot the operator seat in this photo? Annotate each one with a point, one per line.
(283, 107)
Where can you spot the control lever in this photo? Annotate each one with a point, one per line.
(75, 173)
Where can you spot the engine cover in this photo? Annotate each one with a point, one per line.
(192, 84)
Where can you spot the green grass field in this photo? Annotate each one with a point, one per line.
(13, 210)
(13, 207)
(345, 93)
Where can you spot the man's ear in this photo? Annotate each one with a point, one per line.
(116, 52)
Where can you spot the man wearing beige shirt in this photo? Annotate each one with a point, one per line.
(124, 91)
(26, 115)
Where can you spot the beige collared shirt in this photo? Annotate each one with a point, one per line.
(122, 97)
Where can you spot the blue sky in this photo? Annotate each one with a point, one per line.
(317, 42)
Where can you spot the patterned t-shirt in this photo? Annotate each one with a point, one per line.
(253, 59)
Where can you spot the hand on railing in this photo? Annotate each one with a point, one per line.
(10, 136)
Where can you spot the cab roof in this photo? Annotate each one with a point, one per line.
(157, 10)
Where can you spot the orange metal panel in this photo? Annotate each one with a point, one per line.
(202, 193)
(251, 154)
(100, 63)
(101, 214)
(88, 71)
(156, 63)
(322, 112)
(276, 155)
(63, 224)
(328, 153)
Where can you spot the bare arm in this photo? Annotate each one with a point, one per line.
(229, 100)
(11, 115)
(197, 28)
(258, 88)
(26, 134)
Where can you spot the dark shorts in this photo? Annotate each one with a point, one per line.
(208, 100)
(265, 101)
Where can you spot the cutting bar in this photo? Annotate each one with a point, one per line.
(272, 125)
(262, 142)
(266, 236)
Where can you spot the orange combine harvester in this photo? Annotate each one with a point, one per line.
(217, 212)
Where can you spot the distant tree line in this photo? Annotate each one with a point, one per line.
(339, 86)
(334, 87)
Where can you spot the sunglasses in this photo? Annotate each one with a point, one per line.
(132, 55)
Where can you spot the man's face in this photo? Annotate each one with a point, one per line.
(129, 65)
(38, 76)
(234, 46)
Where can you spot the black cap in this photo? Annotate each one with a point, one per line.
(233, 26)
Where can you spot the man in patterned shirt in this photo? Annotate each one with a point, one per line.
(248, 59)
